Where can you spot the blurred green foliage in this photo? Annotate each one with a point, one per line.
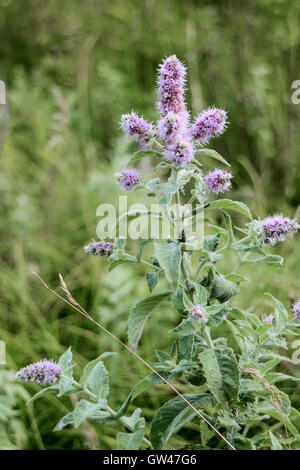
(71, 69)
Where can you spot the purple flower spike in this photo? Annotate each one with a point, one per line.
(42, 373)
(99, 248)
(180, 153)
(277, 228)
(218, 181)
(136, 127)
(171, 81)
(172, 126)
(209, 123)
(128, 179)
(198, 312)
(296, 310)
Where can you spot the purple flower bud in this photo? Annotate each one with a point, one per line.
(128, 179)
(172, 126)
(268, 319)
(198, 312)
(99, 248)
(218, 181)
(42, 373)
(296, 310)
(180, 153)
(209, 123)
(277, 228)
(139, 129)
(171, 86)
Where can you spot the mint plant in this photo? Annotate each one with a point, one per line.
(231, 382)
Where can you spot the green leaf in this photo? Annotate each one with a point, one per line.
(134, 421)
(152, 186)
(67, 419)
(152, 280)
(90, 366)
(186, 345)
(184, 176)
(137, 390)
(173, 415)
(65, 362)
(222, 289)
(116, 263)
(211, 242)
(185, 328)
(164, 194)
(213, 154)
(177, 302)
(237, 278)
(142, 246)
(227, 204)
(274, 260)
(85, 409)
(98, 382)
(139, 314)
(221, 372)
(243, 443)
(130, 441)
(66, 381)
(274, 441)
(44, 391)
(169, 257)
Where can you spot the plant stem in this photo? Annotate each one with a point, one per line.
(125, 424)
(110, 410)
(207, 337)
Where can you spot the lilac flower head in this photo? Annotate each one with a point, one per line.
(128, 179)
(99, 248)
(171, 86)
(268, 319)
(136, 127)
(180, 153)
(296, 310)
(218, 181)
(209, 123)
(173, 125)
(42, 373)
(277, 228)
(198, 312)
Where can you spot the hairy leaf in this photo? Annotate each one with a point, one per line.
(169, 257)
(173, 415)
(221, 372)
(139, 314)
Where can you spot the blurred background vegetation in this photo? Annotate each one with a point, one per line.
(71, 69)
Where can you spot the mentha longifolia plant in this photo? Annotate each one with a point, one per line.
(233, 390)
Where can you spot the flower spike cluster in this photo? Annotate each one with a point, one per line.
(198, 313)
(296, 310)
(99, 248)
(42, 373)
(171, 80)
(218, 181)
(128, 179)
(209, 123)
(136, 127)
(277, 228)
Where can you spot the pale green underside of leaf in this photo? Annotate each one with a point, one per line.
(139, 314)
(227, 204)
